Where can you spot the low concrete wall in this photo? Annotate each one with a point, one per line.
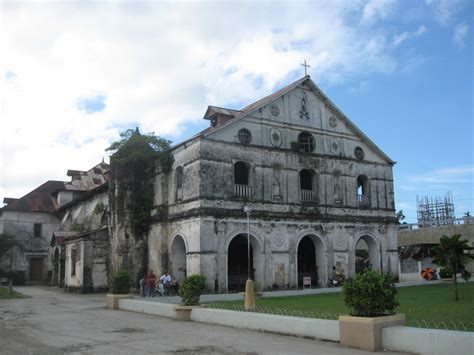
(398, 338)
(428, 341)
(314, 328)
(306, 327)
(153, 308)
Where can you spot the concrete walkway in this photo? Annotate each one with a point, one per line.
(52, 322)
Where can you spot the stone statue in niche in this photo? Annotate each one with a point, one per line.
(304, 111)
(337, 189)
(276, 183)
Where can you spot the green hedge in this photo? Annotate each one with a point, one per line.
(191, 289)
(370, 294)
(121, 282)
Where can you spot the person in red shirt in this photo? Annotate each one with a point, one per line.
(150, 284)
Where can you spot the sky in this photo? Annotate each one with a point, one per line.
(75, 74)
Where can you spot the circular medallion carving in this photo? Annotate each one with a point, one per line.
(274, 109)
(359, 153)
(275, 137)
(333, 121)
(278, 240)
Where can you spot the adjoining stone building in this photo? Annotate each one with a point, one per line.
(319, 188)
(34, 218)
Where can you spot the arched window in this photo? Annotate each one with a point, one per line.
(242, 187)
(244, 135)
(179, 183)
(362, 192)
(306, 142)
(306, 180)
(241, 173)
(306, 186)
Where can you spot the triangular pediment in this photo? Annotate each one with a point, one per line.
(301, 106)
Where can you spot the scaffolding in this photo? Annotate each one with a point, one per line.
(435, 211)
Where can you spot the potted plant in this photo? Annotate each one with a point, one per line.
(371, 299)
(120, 288)
(190, 291)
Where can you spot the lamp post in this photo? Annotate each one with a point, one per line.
(249, 286)
(248, 211)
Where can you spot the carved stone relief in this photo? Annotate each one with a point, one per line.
(275, 110)
(304, 110)
(275, 137)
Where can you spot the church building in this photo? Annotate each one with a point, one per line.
(318, 191)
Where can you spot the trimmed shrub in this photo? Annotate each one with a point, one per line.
(446, 273)
(370, 294)
(121, 282)
(191, 289)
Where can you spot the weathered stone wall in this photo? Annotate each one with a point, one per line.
(88, 219)
(197, 200)
(209, 215)
(21, 225)
(92, 262)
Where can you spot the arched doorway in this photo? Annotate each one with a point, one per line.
(237, 262)
(311, 257)
(366, 254)
(178, 259)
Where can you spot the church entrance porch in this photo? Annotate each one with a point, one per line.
(178, 259)
(237, 262)
(311, 261)
(367, 254)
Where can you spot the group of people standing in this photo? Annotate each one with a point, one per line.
(150, 284)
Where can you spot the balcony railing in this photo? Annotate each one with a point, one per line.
(307, 195)
(242, 190)
(363, 201)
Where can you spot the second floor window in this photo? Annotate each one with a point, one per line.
(37, 230)
(363, 199)
(306, 186)
(241, 173)
(179, 183)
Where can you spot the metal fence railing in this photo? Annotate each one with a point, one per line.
(465, 326)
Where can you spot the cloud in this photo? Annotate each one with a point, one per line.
(377, 9)
(450, 175)
(460, 32)
(404, 36)
(85, 71)
(445, 11)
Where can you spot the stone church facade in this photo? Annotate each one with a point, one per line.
(319, 190)
(320, 193)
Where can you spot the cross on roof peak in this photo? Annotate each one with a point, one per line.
(306, 66)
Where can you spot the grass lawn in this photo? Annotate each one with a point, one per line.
(4, 294)
(430, 302)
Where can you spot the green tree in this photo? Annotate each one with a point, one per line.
(133, 162)
(159, 148)
(453, 253)
(7, 242)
